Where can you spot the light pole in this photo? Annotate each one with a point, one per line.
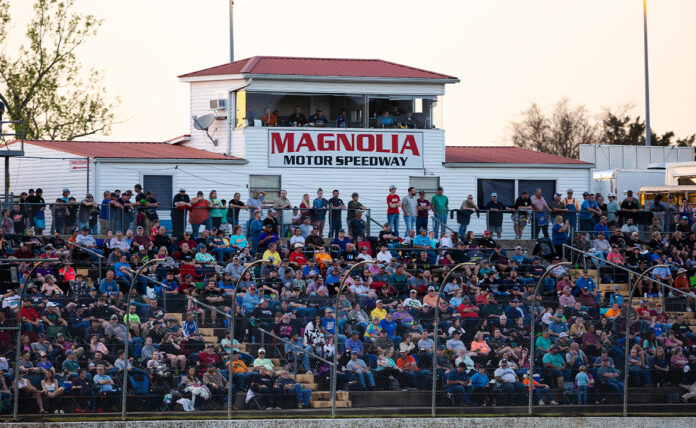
(532, 345)
(631, 292)
(435, 337)
(335, 353)
(231, 30)
(125, 343)
(647, 79)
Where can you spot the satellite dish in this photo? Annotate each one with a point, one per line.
(203, 123)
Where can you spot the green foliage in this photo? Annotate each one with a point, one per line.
(41, 84)
(621, 129)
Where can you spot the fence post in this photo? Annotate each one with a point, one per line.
(124, 399)
(335, 350)
(433, 393)
(18, 347)
(627, 350)
(532, 344)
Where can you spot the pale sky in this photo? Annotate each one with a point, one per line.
(507, 53)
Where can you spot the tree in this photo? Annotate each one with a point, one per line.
(41, 85)
(560, 134)
(621, 129)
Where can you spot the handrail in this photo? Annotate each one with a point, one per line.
(443, 224)
(624, 268)
(273, 335)
(89, 250)
(369, 217)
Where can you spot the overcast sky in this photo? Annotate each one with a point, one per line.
(507, 53)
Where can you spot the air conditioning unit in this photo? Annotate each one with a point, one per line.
(218, 104)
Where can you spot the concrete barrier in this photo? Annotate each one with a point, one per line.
(532, 422)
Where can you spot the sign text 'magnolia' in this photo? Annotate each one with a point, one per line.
(330, 148)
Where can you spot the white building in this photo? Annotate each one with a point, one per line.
(360, 156)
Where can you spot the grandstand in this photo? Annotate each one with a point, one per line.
(71, 288)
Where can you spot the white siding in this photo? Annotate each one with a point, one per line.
(632, 157)
(51, 171)
(200, 95)
(48, 169)
(252, 143)
(373, 183)
(223, 177)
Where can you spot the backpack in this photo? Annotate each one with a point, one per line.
(543, 248)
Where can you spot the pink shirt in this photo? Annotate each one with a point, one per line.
(539, 204)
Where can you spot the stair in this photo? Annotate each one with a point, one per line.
(575, 273)
(326, 396)
(175, 315)
(610, 287)
(326, 404)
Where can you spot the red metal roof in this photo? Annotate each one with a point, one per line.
(503, 154)
(321, 67)
(131, 150)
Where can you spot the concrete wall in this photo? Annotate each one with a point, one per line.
(532, 422)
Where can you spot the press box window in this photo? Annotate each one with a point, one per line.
(268, 183)
(427, 184)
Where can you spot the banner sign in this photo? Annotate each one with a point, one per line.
(313, 148)
(78, 164)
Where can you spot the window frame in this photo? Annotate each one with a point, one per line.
(268, 190)
(428, 191)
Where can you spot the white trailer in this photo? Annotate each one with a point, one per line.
(619, 181)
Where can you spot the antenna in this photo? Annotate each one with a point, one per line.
(203, 123)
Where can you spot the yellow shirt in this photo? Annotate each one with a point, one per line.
(379, 313)
(269, 255)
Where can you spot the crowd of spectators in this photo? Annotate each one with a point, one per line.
(74, 332)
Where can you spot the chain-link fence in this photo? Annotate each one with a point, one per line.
(391, 347)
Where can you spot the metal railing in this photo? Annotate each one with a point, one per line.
(330, 383)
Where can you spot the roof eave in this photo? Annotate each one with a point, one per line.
(211, 77)
(516, 165)
(443, 80)
(230, 161)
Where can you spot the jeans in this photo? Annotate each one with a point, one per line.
(440, 222)
(334, 227)
(582, 394)
(303, 394)
(220, 252)
(540, 393)
(365, 379)
(208, 223)
(393, 220)
(92, 229)
(512, 391)
(410, 222)
(421, 223)
(233, 220)
(240, 380)
(460, 393)
(419, 378)
(462, 229)
(617, 387)
(586, 225)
